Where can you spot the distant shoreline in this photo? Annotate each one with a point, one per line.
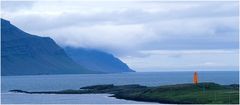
(121, 73)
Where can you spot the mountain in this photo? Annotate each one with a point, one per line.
(97, 60)
(26, 54)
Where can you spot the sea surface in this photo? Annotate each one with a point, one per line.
(61, 82)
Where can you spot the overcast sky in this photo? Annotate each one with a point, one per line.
(148, 36)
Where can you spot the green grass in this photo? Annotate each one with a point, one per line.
(204, 93)
(184, 96)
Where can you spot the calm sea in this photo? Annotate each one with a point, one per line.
(60, 82)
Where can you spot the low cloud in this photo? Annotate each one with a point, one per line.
(157, 60)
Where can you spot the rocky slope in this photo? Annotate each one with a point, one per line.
(97, 60)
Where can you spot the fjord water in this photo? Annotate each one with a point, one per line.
(60, 82)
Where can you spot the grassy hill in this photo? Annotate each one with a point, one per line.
(203, 93)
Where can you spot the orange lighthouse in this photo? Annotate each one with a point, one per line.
(195, 78)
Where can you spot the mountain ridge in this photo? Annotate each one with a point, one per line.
(26, 54)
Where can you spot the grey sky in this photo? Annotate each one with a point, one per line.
(134, 30)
